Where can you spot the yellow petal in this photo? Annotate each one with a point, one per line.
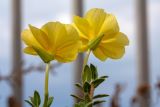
(30, 50)
(70, 37)
(72, 33)
(29, 39)
(68, 50)
(56, 33)
(122, 39)
(67, 54)
(117, 39)
(110, 25)
(41, 37)
(96, 19)
(99, 54)
(84, 44)
(82, 26)
(114, 47)
(83, 47)
(113, 51)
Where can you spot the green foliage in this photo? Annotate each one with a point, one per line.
(50, 101)
(95, 103)
(35, 101)
(89, 73)
(44, 55)
(86, 74)
(80, 104)
(86, 87)
(90, 81)
(77, 97)
(100, 96)
(94, 72)
(79, 86)
(97, 82)
(89, 104)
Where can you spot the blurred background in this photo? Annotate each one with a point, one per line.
(21, 74)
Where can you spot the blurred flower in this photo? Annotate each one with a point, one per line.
(53, 41)
(99, 32)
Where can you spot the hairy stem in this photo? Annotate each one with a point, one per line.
(91, 94)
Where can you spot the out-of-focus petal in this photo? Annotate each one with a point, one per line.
(30, 50)
(83, 47)
(29, 39)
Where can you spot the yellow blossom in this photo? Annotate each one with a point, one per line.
(99, 32)
(54, 41)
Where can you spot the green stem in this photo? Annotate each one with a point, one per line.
(84, 64)
(86, 59)
(46, 85)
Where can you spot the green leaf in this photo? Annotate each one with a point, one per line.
(79, 86)
(90, 104)
(87, 98)
(86, 74)
(77, 97)
(104, 77)
(100, 96)
(97, 82)
(37, 98)
(30, 103)
(94, 72)
(46, 57)
(80, 104)
(77, 105)
(50, 101)
(86, 87)
(32, 100)
(98, 102)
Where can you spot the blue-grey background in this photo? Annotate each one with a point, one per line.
(38, 12)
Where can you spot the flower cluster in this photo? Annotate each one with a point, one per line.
(97, 32)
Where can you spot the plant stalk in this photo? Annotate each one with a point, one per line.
(46, 94)
(91, 94)
(86, 59)
(84, 64)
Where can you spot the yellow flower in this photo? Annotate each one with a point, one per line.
(54, 41)
(99, 31)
